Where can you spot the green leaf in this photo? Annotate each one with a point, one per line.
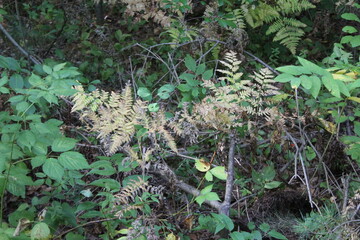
(293, 70)
(190, 63)
(240, 235)
(195, 92)
(295, 82)
(26, 139)
(40, 231)
(357, 127)
(311, 66)
(40, 148)
(272, 185)
(9, 63)
(38, 161)
(209, 177)
(355, 41)
(16, 81)
(58, 67)
(264, 227)
(224, 220)
(187, 76)
(153, 107)
(110, 184)
(200, 69)
(63, 144)
(350, 17)
(164, 91)
(36, 80)
(212, 196)
(202, 165)
(22, 107)
(47, 69)
(315, 86)
(53, 169)
(306, 81)
(206, 189)
(144, 93)
(284, 77)
(207, 74)
(102, 167)
(184, 87)
(4, 80)
(219, 172)
(349, 29)
(73, 161)
(276, 235)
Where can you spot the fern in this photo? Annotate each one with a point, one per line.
(288, 32)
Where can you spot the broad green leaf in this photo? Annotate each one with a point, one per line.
(187, 76)
(240, 235)
(190, 63)
(350, 16)
(36, 80)
(357, 127)
(102, 167)
(295, 82)
(58, 67)
(225, 220)
(211, 196)
(38, 161)
(343, 88)
(200, 69)
(316, 86)
(272, 184)
(40, 148)
(208, 176)
(26, 139)
(164, 91)
(16, 81)
(73, 161)
(264, 227)
(144, 93)
(306, 81)
(53, 169)
(276, 235)
(355, 41)
(9, 63)
(63, 144)
(219, 172)
(184, 87)
(206, 189)
(311, 66)
(207, 74)
(153, 107)
(110, 184)
(40, 231)
(294, 70)
(195, 92)
(47, 69)
(202, 165)
(349, 29)
(22, 107)
(4, 80)
(284, 77)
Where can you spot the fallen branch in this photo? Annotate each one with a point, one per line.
(225, 205)
(22, 50)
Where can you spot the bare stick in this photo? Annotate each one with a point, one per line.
(225, 205)
(12, 40)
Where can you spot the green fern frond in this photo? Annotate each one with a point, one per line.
(238, 18)
(293, 6)
(288, 31)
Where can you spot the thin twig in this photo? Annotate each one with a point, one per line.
(22, 50)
